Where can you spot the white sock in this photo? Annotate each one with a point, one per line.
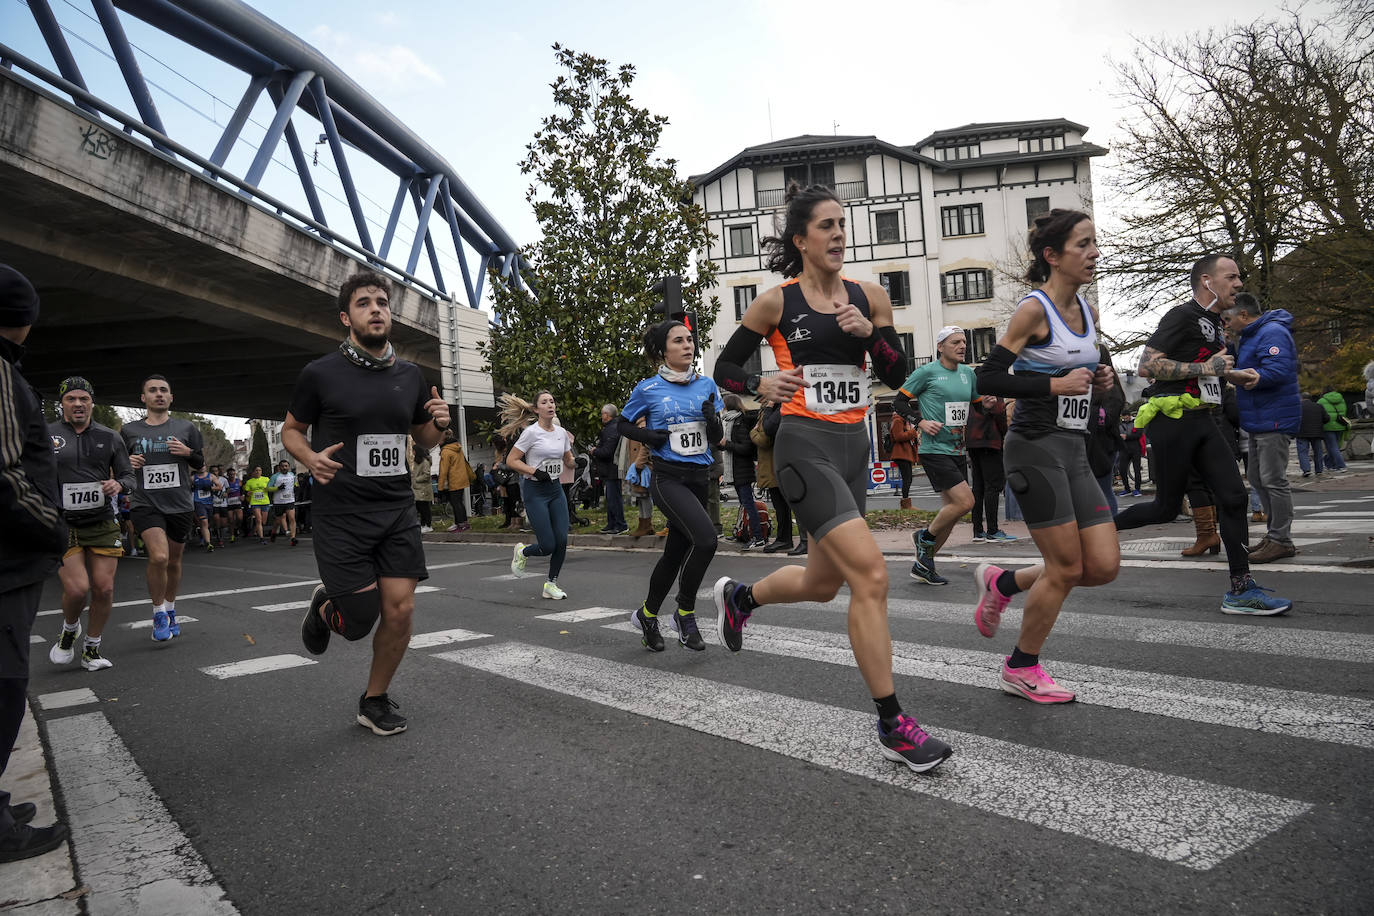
(93, 641)
(170, 607)
(70, 627)
(159, 607)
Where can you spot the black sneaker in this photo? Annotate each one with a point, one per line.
(731, 619)
(778, 546)
(908, 743)
(925, 572)
(688, 636)
(314, 631)
(23, 812)
(798, 551)
(648, 630)
(25, 842)
(376, 713)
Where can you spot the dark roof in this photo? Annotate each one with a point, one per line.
(1068, 152)
(807, 147)
(990, 129)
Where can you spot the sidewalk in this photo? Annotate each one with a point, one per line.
(45, 884)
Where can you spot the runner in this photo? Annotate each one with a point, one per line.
(203, 488)
(162, 450)
(539, 455)
(233, 502)
(359, 404)
(820, 326)
(935, 399)
(283, 487)
(1051, 344)
(257, 488)
(680, 409)
(1186, 356)
(92, 469)
(219, 520)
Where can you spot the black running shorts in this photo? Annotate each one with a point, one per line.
(822, 469)
(945, 472)
(178, 525)
(353, 551)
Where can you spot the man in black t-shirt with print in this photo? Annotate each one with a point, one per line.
(358, 405)
(1186, 356)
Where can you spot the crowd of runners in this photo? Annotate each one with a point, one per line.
(358, 415)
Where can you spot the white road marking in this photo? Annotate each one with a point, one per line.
(443, 638)
(227, 591)
(466, 563)
(120, 828)
(1293, 713)
(508, 577)
(257, 666)
(1176, 819)
(302, 605)
(148, 624)
(34, 639)
(1004, 559)
(1326, 513)
(65, 698)
(586, 613)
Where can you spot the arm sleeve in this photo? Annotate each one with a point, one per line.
(729, 373)
(772, 419)
(629, 430)
(197, 457)
(995, 377)
(906, 407)
(119, 461)
(889, 362)
(715, 429)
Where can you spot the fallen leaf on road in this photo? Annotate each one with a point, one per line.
(75, 893)
(251, 640)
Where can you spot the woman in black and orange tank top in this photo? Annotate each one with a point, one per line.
(822, 329)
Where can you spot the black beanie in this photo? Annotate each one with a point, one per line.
(18, 299)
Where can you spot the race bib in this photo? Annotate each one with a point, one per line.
(553, 467)
(688, 439)
(1209, 389)
(381, 455)
(834, 388)
(1072, 411)
(161, 476)
(956, 413)
(76, 496)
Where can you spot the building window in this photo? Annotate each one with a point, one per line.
(741, 240)
(898, 287)
(1333, 327)
(743, 296)
(965, 219)
(908, 345)
(966, 285)
(1035, 208)
(958, 151)
(1042, 144)
(980, 344)
(809, 173)
(888, 226)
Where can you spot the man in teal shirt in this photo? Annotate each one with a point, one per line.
(935, 399)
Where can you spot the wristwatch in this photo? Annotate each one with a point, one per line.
(752, 383)
(438, 427)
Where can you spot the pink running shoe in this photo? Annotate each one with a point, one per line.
(1034, 684)
(991, 602)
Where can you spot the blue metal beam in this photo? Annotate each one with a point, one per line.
(422, 215)
(278, 126)
(331, 132)
(302, 167)
(451, 217)
(165, 17)
(57, 46)
(401, 193)
(128, 65)
(238, 119)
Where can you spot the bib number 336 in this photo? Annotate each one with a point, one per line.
(381, 455)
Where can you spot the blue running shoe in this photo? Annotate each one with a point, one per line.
(162, 629)
(173, 628)
(1001, 537)
(1253, 602)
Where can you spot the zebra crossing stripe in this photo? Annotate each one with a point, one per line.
(302, 605)
(147, 624)
(65, 698)
(582, 614)
(443, 638)
(1293, 713)
(1176, 819)
(256, 666)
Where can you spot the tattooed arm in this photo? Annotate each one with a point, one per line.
(1155, 365)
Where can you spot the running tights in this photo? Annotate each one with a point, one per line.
(904, 468)
(1195, 442)
(691, 541)
(547, 509)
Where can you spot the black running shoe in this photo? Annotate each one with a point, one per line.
(730, 619)
(25, 842)
(314, 631)
(908, 743)
(648, 630)
(688, 636)
(376, 713)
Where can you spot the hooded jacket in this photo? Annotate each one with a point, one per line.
(1275, 404)
(33, 534)
(1334, 404)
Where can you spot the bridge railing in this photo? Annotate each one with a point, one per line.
(294, 77)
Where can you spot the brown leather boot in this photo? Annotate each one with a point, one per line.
(906, 504)
(1205, 521)
(646, 527)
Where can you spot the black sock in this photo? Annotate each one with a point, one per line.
(1021, 659)
(1241, 583)
(888, 710)
(745, 600)
(1006, 583)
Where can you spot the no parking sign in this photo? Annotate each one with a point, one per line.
(878, 475)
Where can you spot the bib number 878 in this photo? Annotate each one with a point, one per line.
(384, 457)
(689, 440)
(832, 392)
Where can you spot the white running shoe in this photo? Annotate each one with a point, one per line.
(64, 650)
(92, 660)
(551, 590)
(517, 561)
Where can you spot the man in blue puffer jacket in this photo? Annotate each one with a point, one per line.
(1270, 411)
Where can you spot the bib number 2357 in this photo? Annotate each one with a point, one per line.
(161, 476)
(834, 388)
(381, 456)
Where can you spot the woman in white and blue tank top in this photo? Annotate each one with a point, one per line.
(1048, 361)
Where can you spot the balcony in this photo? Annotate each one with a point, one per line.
(845, 190)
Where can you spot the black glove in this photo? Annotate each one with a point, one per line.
(708, 409)
(542, 475)
(656, 438)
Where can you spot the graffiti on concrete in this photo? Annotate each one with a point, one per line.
(97, 141)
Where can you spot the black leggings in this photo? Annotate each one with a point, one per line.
(1127, 461)
(904, 468)
(1195, 443)
(783, 511)
(691, 541)
(988, 480)
(460, 510)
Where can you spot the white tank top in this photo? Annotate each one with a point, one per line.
(1064, 349)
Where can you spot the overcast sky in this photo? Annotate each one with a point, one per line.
(472, 79)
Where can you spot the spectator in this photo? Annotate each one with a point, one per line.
(1270, 406)
(903, 452)
(506, 483)
(742, 453)
(1132, 450)
(987, 427)
(636, 464)
(1310, 436)
(455, 476)
(770, 417)
(1334, 430)
(603, 463)
(1369, 389)
(421, 484)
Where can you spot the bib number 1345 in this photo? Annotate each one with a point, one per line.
(832, 389)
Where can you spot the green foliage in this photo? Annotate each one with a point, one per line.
(614, 219)
(106, 415)
(216, 448)
(257, 453)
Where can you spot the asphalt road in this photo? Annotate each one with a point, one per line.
(1213, 764)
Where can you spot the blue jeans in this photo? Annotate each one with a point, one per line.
(547, 509)
(615, 506)
(1315, 445)
(1011, 508)
(745, 492)
(1334, 458)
